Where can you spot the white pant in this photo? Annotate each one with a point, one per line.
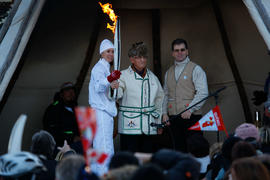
(103, 140)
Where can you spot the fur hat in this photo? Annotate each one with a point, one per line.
(246, 130)
(104, 45)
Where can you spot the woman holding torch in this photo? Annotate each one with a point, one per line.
(100, 84)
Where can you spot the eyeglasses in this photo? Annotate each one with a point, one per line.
(138, 43)
(180, 50)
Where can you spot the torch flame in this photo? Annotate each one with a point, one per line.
(107, 8)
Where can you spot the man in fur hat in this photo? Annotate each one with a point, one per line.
(140, 98)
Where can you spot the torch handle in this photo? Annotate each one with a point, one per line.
(117, 51)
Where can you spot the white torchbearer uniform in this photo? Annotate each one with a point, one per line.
(105, 111)
(140, 103)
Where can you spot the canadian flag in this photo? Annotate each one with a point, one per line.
(86, 119)
(212, 121)
(96, 156)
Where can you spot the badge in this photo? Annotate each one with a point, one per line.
(131, 124)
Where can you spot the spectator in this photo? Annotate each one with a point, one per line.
(255, 144)
(177, 165)
(148, 171)
(249, 169)
(265, 138)
(86, 174)
(43, 145)
(120, 173)
(259, 98)
(186, 169)
(215, 149)
(59, 118)
(265, 159)
(267, 102)
(69, 167)
(222, 162)
(247, 130)
(20, 166)
(166, 158)
(120, 159)
(249, 133)
(242, 149)
(198, 146)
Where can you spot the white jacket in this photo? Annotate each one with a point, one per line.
(99, 87)
(140, 101)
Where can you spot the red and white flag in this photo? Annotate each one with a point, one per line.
(212, 121)
(95, 156)
(86, 119)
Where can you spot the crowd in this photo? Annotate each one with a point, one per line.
(239, 157)
(144, 108)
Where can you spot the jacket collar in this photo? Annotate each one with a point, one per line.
(176, 63)
(105, 63)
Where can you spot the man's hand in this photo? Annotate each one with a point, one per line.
(115, 75)
(186, 115)
(65, 147)
(165, 119)
(114, 84)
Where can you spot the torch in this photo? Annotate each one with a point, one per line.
(117, 51)
(115, 28)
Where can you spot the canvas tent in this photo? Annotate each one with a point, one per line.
(64, 47)
(260, 13)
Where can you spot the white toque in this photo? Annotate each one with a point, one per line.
(104, 45)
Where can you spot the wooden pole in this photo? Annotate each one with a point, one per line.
(156, 43)
(89, 55)
(231, 60)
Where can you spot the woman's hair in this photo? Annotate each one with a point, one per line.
(249, 169)
(243, 149)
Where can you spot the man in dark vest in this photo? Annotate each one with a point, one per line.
(185, 84)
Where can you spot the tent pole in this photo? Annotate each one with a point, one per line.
(156, 43)
(231, 60)
(89, 55)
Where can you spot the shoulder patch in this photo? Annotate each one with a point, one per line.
(55, 103)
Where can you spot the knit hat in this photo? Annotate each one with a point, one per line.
(167, 158)
(104, 45)
(67, 85)
(187, 168)
(122, 158)
(246, 130)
